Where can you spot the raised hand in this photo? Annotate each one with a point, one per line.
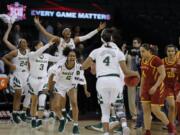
(36, 20)
(102, 25)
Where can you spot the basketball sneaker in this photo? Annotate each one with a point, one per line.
(76, 130)
(16, 118)
(62, 125)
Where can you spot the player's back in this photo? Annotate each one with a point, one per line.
(107, 60)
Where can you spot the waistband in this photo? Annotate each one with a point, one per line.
(109, 75)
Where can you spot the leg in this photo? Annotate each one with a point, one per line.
(171, 109)
(105, 110)
(131, 101)
(58, 105)
(156, 109)
(41, 104)
(147, 115)
(73, 97)
(34, 103)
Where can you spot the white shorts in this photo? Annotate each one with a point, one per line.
(110, 89)
(62, 90)
(18, 80)
(37, 84)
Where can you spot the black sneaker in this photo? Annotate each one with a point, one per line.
(38, 123)
(76, 130)
(62, 125)
(33, 123)
(51, 115)
(23, 116)
(16, 118)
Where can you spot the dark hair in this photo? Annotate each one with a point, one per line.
(170, 45)
(34, 44)
(152, 48)
(116, 36)
(138, 40)
(67, 50)
(106, 35)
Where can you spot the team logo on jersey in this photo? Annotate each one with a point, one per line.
(41, 57)
(18, 10)
(77, 72)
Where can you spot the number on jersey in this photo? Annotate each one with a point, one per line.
(107, 61)
(41, 67)
(23, 63)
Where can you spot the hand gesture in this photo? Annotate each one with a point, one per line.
(36, 20)
(102, 25)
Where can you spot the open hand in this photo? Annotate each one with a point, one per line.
(102, 25)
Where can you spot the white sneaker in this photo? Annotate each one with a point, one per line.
(126, 131)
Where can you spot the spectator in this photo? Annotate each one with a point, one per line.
(16, 34)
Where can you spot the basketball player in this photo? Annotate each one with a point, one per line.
(66, 40)
(37, 80)
(17, 60)
(170, 79)
(108, 84)
(152, 88)
(66, 76)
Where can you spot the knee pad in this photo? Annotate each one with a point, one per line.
(119, 110)
(42, 102)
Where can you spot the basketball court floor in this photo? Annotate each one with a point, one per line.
(49, 129)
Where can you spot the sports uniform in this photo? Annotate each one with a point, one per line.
(150, 75)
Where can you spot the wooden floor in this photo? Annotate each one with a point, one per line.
(49, 129)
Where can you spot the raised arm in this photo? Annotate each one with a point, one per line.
(90, 34)
(43, 30)
(87, 63)
(5, 38)
(40, 50)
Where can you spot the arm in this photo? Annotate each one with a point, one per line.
(90, 34)
(8, 57)
(126, 71)
(54, 58)
(162, 75)
(5, 38)
(129, 61)
(43, 30)
(87, 93)
(87, 63)
(40, 50)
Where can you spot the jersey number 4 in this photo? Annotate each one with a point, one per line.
(107, 61)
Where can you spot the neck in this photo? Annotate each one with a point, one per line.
(66, 39)
(170, 59)
(70, 65)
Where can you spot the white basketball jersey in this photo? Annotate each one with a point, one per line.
(21, 62)
(63, 44)
(107, 60)
(64, 75)
(39, 65)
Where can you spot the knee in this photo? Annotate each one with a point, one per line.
(105, 118)
(171, 107)
(155, 109)
(74, 104)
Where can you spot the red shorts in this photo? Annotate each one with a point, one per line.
(157, 98)
(177, 88)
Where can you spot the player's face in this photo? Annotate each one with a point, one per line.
(136, 44)
(39, 45)
(23, 44)
(72, 57)
(144, 53)
(171, 52)
(67, 33)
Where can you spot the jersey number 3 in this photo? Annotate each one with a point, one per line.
(107, 61)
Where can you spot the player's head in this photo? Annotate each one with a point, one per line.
(66, 33)
(137, 42)
(37, 44)
(71, 54)
(147, 50)
(106, 35)
(22, 43)
(171, 50)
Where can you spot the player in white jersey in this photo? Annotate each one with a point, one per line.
(66, 76)
(17, 60)
(38, 78)
(108, 60)
(66, 40)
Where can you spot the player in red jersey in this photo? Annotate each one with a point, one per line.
(152, 88)
(170, 66)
